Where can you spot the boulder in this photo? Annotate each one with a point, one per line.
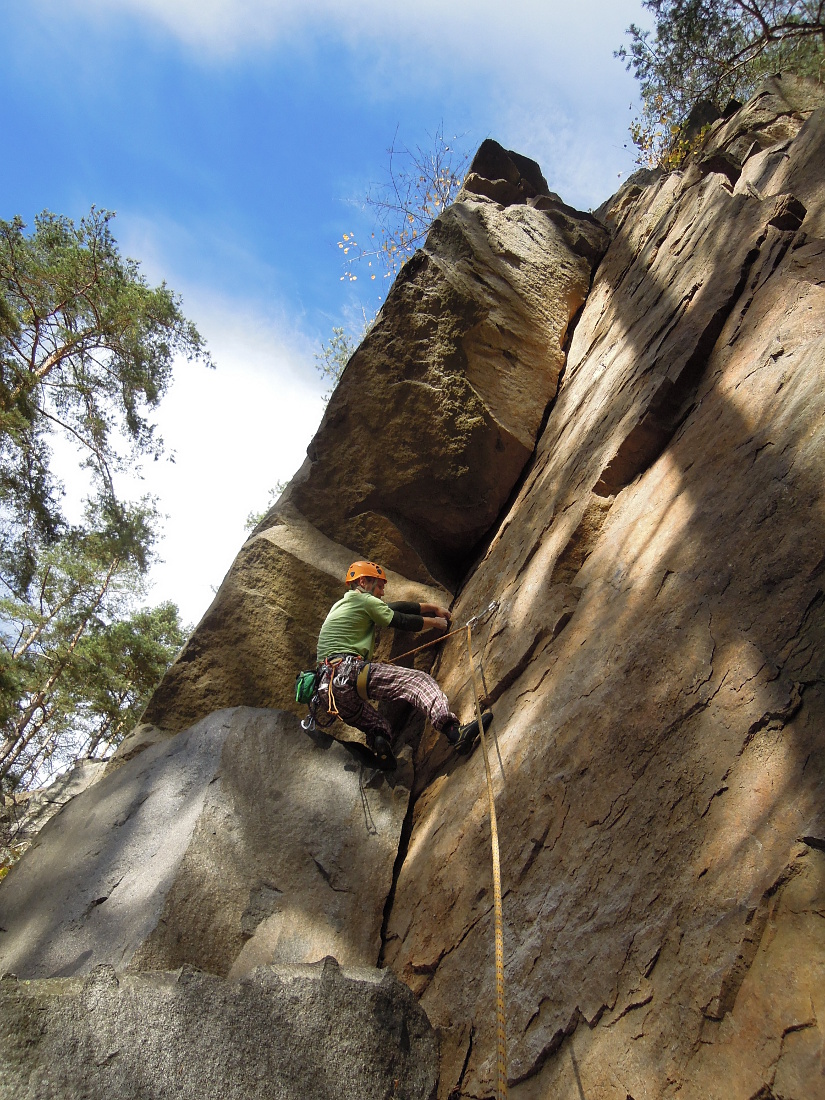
(313, 1032)
(237, 842)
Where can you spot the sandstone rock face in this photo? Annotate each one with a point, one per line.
(263, 625)
(438, 411)
(657, 671)
(314, 1032)
(25, 814)
(652, 545)
(422, 442)
(236, 843)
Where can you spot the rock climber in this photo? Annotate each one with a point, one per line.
(345, 647)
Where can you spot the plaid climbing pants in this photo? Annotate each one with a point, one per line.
(385, 682)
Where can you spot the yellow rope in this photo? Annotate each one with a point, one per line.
(501, 1089)
(426, 645)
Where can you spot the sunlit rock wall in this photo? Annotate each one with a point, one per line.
(639, 486)
(421, 445)
(656, 669)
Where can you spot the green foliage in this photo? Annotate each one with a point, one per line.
(254, 518)
(714, 50)
(661, 144)
(78, 660)
(421, 183)
(334, 356)
(86, 354)
(86, 351)
(118, 666)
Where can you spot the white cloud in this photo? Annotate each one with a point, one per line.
(543, 41)
(582, 164)
(235, 432)
(552, 88)
(524, 26)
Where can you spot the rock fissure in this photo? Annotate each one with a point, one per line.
(548, 1051)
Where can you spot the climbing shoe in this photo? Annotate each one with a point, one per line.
(384, 756)
(465, 741)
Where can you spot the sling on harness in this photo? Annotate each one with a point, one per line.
(362, 681)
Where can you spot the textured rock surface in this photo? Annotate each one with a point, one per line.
(263, 625)
(655, 540)
(421, 444)
(311, 1032)
(25, 814)
(658, 671)
(238, 837)
(439, 409)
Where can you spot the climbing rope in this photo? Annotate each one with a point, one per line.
(501, 1020)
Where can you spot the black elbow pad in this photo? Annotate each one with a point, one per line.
(402, 621)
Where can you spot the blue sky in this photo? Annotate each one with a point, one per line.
(234, 140)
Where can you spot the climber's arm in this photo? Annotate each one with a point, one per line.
(414, 617)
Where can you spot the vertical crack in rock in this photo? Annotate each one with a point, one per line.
(672, 401)
(455, 1091)
(401, 855)
(551, 1048)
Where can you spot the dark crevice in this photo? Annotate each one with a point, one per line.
(551, 1048)
(672, 402)
(327, 877)
(776, 719)
(477, 555)
(509, 678)
(400, 857)
(455, 1091)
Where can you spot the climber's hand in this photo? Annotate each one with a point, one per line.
(434, 611)
(437, 622)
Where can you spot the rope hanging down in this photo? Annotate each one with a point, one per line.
(501, 1020)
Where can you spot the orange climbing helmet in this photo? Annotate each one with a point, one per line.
(360, 569)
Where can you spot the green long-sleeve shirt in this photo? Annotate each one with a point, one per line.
(350, 625)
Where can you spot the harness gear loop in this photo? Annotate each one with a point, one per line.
(501, 1020)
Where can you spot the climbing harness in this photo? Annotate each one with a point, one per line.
(335, 676)
(501, 1020)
